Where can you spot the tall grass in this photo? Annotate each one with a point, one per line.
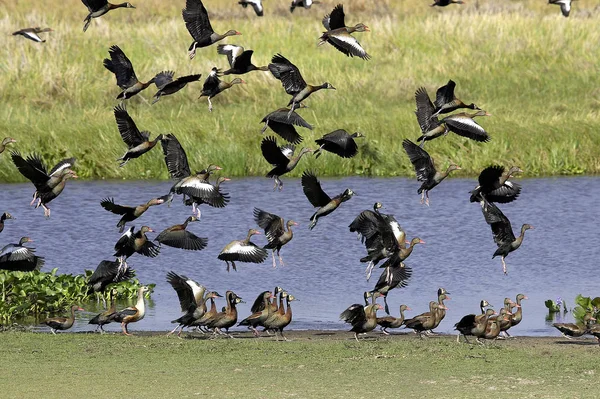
(533, 70)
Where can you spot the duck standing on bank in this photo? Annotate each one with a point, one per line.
(98, 8)
(132, 314)
(340, 36)
(32, 34)
(191, 299)
(62, 323)
(391, 321)
(319, 199)
(362, 318)
(106, 317)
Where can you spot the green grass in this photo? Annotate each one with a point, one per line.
(533, 70)
(72, 365)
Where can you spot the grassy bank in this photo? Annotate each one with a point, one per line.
(532, 69)
(315, 365)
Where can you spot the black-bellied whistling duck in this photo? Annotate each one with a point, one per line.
(446, 101)
(211, 194)
(565, 6)
(282, 122)
(275, 231)
(120, 65)
(444, 3)
(132, 314)
(518, 315)
(494, 185)
(504, 324)
(98, 8)
(32, 34)
(256, 5)
(594, 330)
(340, 36)
(277, 310)
(424, 321)
(167, 85)
(395, 276)
(191, 300)
(292, 80)
(473, 324)
(130, 213)
(178, 237)
(5, 216)
(209, 314)
(319, 199)
(62, 323)
(48, 185)
(569, 330)
(282, 321)
(108, 272)
(17, 257)
(402, 253)
(106, 317)
(339, 142)
(464, 125)
(6, 141)
(492, 330)
(282, 158)
(431, 127)
(303, 3)
(391, 321)
(197, 23)
(362, 318)
(213, 86)
(243, 251)
(502, 230)
(226, 319)
(239, 59)
(131, 242)
(258, 318)
(425, 169)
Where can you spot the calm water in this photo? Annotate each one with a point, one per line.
(322, 268)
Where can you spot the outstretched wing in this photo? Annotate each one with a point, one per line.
(272, 152)
(127, 128)
(175, 157)
(287, 73)
(196, 20)
(313, 191)
(120, 65)
(420, 159)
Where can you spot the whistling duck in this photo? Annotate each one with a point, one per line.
(338, 142)
(366, 214)
(98, 8)
(213, 86)
(319, 199)
(444, 3)
(239, 59)
(594, 330)
(277, 310)
(373, 295)
(504, 324)
(227, 318)
(565, 6)
(32, 34)
(275, 231)
(197, 23)
(303, 3)
(191, 299)
(441, 310)
(492, 329)
(120, 65)
(5, 216)
(108, 272)
(48, 185)
(446, 101)
(130, 213)
(464, 125)
(391, 321)
(431, 127)
(106, 317)
(166, 85)
(473, 324)
(340, 36)
(282, 122)
(256, 5)
(132, 314)
(502, 230)
(61, 323)
(518, 315)
(178, 237)
(282, 158)
(6, 141)
(209, 314)
(395, 276)
(129, 243)
(362, 318)
(281, 322)
(243, 251)
(211, 193)
(17, 257)
(274, 307)
(292, 80)
(424, 321)
(425, 169)
(401, 253)
(569, 330)
(494, 185)
(258, 318)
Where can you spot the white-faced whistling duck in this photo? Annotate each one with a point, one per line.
(464, 125)
(339, 142)
(106, 317)
(303, 3)
(446, 101)
(441, 310)
(340, 36)
(257, 319)
(108, 272)
(569, 330)
(366, 214)
(444, 3)
(132, 314)
(130, 243)
(5, 216)
(213, 86)
(393, 276)
(518, 315)
(178, 237)
(130, 213)
(502, 230)
(120, 65)
(494, 185)
(17, 257)
(166, 85)
(275, 231)
(391, 321)
(282, 122)
(32, 34)
(362, 318)
(319, 199)
(48, 185)
(425, 169)
(62, 323)
(197, 23)
(98, 8)
(6, 141)
(431, 127)
(472, 324)
(243, 251)
(565, 6)
(240, 60)
(191, 298)
(282, 158)
(256, 5)
(292, 80)
(424, 321)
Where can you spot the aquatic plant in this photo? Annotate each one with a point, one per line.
(585, 305)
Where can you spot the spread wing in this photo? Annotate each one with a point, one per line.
(196, 20)
(287, 73)
(231, 51)
(109, 205)
(501, 228)
(175, 157)
(420, 159)
(335, 20)
(182, 239)
(32, 168)
(445, 94)
(120, 65)
(340, 143)
(163, 78)
(272, 224)
(272, 152)
(94, 5)
(313, 191)
(425, 110)
(127, 128)
(466, 127)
